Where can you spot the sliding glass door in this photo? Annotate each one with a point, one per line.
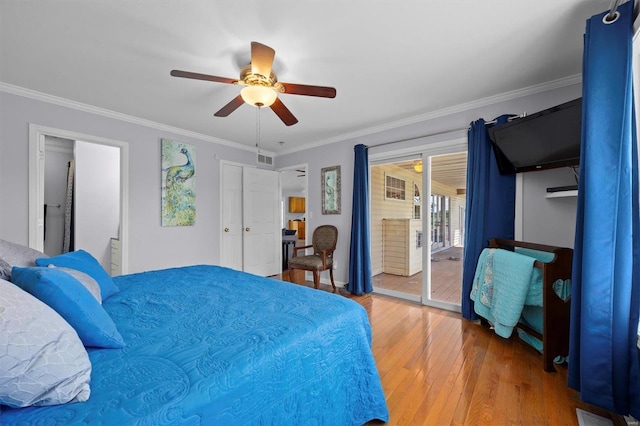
(396, 226)
(417, 226)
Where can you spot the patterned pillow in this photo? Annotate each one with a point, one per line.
(42, 360)
(12, 254)
(19, 255)
(5, 270)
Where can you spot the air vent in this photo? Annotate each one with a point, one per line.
(265, 159)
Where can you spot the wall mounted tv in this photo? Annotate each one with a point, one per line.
(545, 140)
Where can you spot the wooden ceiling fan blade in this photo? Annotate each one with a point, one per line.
(230, 107)
(308, 90)
(283, 112)
(207, 77)
(261, 59)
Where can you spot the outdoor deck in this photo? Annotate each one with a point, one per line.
(446, 278)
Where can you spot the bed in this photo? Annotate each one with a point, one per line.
(210, 345)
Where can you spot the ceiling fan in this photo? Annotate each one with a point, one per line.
(261, 85)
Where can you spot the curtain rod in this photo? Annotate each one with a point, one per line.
(513, 117)
(612, 10)
(418, 137)
(524, 114)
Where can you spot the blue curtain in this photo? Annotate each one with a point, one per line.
(603, 357)
(490, 203)
(360, 280)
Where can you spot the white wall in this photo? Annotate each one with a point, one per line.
(97, 199)
(151, 246)
(549, 221)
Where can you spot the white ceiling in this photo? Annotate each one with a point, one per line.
(390, 61)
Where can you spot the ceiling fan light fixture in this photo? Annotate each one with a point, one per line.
(260, 86)
(258, 95)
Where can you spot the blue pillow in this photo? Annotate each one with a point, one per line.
(85, 262)
(69, 298)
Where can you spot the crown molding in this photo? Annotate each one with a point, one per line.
(507, 96)
(39, 96)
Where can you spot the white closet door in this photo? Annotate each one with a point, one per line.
(251, 238)
(231, 217)
(262, 240)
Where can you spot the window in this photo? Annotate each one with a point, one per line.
(394, 188)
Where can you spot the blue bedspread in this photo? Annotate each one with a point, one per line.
(210, 345)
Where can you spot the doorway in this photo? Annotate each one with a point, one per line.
(294, 207)
(397, 223)
(448, 200)
(59, 162)
(416, 244)
(88, 152)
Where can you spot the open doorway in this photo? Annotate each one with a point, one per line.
(58, 191)
(294, 209)
(397, 238)
(93, 195)
(448, 178)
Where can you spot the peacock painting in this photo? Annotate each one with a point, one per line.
(178, 184)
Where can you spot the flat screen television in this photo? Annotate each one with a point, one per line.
(544, 140)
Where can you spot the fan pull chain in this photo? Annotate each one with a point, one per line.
(259, 106)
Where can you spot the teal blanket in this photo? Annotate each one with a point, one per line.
(504, 305)
(534, 297)
(500, 287)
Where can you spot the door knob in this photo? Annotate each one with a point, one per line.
(226, 229)
(247, 229)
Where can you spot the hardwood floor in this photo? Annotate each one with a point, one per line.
(438, 369)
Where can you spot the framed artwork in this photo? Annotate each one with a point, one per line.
(331, 190)
(178, 184)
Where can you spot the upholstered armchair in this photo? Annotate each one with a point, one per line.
(323, 243)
